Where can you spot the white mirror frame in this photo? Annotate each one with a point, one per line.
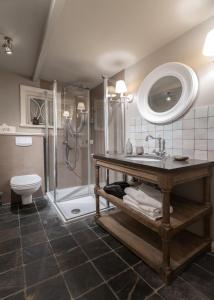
(189, 82)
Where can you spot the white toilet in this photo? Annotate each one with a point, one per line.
(25, 186)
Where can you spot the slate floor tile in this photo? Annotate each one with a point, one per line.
(53, 289)
(102, 292)
(207, 262)
(40, 270)
(130, 286)
(128, 256)
(56, 232)
(96, 248)
(18, 296)
(85, 236)
(81, 279)
(27, 212)
(10, 260)
(150, 276)
(51, 221)
(36, 252)
(28, 220)
(180, 290)
(100, 232)
(11, 282)
(31, 239)
(29, 229)
(8, 234)
(63, 244)
(76, 226)
(109, 265)
(10, 245)
(200, 280)
(71, 259)
(155, 297)
(112, 242)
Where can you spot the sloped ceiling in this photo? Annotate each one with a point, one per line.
(94, 37)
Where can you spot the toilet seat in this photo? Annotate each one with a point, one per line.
(25, 181)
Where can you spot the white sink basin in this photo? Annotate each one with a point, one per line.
(136, 158)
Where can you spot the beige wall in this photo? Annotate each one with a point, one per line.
(188, 50)
(16, 161)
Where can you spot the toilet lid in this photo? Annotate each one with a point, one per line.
(25, 180)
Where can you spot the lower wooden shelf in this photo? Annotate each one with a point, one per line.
(147, 244)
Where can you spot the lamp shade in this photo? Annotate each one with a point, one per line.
(208, 49)
(81, 106)
(120, 87)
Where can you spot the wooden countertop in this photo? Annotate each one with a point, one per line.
(168, 164)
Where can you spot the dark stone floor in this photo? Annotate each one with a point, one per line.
(42, 259)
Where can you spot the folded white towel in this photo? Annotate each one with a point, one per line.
(152, 216)
(144, 198)
(146, 208)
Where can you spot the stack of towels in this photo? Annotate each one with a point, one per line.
(146, 200)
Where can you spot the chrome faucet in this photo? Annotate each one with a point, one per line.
(161, 145)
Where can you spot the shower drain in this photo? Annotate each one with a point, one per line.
(75, 211)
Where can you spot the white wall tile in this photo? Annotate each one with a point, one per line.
(177, 124)
(211, 122)
(144, 128)
(189, 124)
(169, 151)
(210, 133)
(177, 144)
(188, 152)
(167, 127)
(177, 151)
(211, 111)
(190, 114)
(201, 134)
(201, 145)
(132, 122)
(201, 111)
(201, 123)
(151, 127)
(159, 133)
(201, 155)
(188, 144)
(210, 144)
(138, 121)
(159, 127)
(138, 128)
(167, 134)
(168, 144)
(177, 134)
(188, 134)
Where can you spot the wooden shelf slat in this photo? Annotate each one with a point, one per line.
(185, 212)
(147, 244)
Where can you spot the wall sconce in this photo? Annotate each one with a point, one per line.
(81, 106)
(120, 89)
(208, 49)
(7, 45)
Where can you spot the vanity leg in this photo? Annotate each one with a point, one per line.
(97, 187)
(207, 201)
(165, 232)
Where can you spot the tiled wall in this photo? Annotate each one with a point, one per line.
(192, 135)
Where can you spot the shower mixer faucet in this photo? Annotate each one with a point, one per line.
(161, 145)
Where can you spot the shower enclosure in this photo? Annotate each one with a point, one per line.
(81, 126)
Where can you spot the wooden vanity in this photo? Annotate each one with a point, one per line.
(164, 244)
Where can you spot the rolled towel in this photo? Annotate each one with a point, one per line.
(143, 198)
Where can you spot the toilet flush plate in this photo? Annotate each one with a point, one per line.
(24, 141)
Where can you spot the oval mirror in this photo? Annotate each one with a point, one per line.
(167, 93)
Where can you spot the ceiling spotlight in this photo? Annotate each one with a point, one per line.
(7, 45)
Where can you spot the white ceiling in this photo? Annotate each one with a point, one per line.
(94, 37)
